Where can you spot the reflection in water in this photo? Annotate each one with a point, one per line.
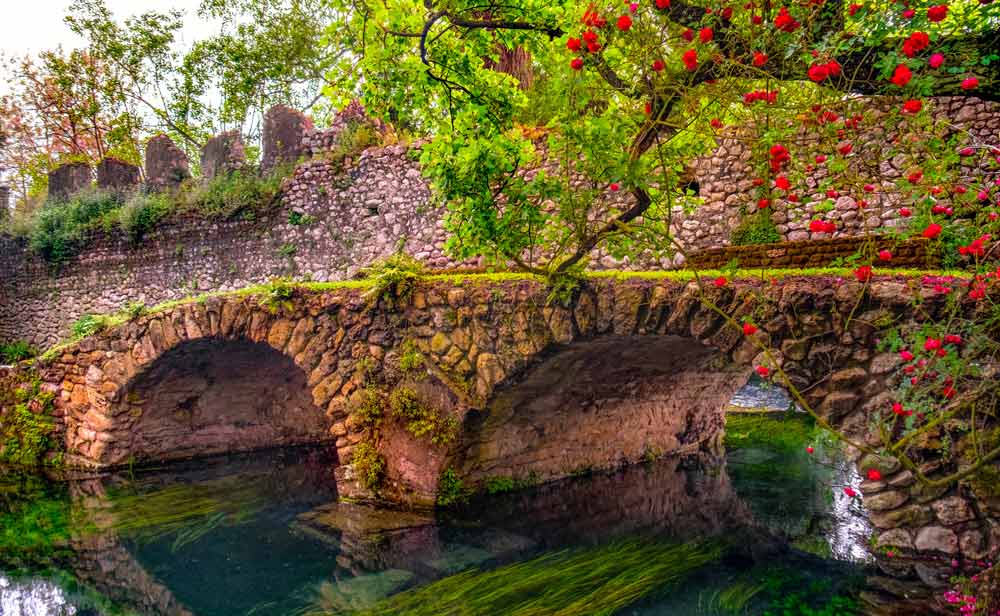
(264, 534)
(33, 597)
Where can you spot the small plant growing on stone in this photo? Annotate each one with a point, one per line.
(410, 358)
(18, 350)
(277, 295)
(369, 465)
(88, 325)
(451, 489)
(298, 219)
(394, 279)
(421, 420)
(133, 310)
(288, 250)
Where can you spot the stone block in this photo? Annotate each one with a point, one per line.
(223, 154)
(67, 180)
(117, 175)
(284, 130)
(166, 164)
(937, 539)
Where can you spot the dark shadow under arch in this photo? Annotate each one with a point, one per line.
(214, 396)
(601, 404)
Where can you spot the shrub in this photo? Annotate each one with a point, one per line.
(394, 279)
(18, 350)
(225, 196)
(757, 228)
(277, 295)
(141, 212)
(27, 430)
(88, 325)
(60, 228)
(421, 420)
(451, 489)
(369, 465)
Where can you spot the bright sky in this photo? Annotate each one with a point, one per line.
(30, 26)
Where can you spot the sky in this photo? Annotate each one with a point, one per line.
(30, 26)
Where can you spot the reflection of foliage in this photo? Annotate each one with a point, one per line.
(788, 434)
(783, 591)
(187, 511)
(35, 521)
(597, 580)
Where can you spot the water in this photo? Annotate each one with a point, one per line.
(263, 534)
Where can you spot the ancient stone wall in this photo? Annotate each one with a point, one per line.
(725, 180)
(336, 216)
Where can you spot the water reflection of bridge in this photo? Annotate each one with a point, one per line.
(375, 553)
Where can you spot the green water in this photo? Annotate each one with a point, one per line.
(756, 533)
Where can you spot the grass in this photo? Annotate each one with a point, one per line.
(115, 320)
(593, 581)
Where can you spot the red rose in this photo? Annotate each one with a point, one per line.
(905, 212)
(763, 371)
(785, 22)
(884, 255)
(759, 59)
(845, 148)
(782, 183)
(917, 42)
(749, 329)
(762, 204)
(757, 20)
(576, 64)
(688, 35)
(573, 44)
(624, 23)
(970, 84)
(850, 492)
(720, 281)
(874, 475)
(690, 59)
(863, 273)
(932, 230)
(818, 72)
(705, 35)
(902, 75)
(662, 4)
(936, 60)
(913, 106)
(854, 8)
(615, 187)
(937, 13)
(727, 13)
(716, 123)
(658, 65)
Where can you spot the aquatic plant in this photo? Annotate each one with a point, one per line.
(592, 581)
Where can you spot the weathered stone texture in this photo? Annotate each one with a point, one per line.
(284, 131)
(223, 154)
(166, 164)
(69, 179)
(117, 175)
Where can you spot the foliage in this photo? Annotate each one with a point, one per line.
(421, 420)
(370, 411)
(756, 228)
(133, 310)
(27, 428)
(239, 192)
(141, 212)
(589, 581)
(18, 350)
(369, 465)
(410, 357)
(789, 433)
(277, 295)
(394, 279)
(451, 489)
(61, 228)
(88, 325)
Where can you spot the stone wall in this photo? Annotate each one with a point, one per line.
(337, 216)
(914, 253)
(725, 180)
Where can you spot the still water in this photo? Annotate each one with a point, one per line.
(761, 531)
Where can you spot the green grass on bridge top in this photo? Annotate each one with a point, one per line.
(116, 319)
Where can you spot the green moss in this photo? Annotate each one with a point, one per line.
(371, 409)
(421, 420)
(277, 295)
(393, 279)
(786, 433)
(591, 581)
(369, 465)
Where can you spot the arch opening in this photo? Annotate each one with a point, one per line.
(602, 404)
(213, 396)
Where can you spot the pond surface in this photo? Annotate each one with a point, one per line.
(763, 531)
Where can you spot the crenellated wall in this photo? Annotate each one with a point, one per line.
(336, 217)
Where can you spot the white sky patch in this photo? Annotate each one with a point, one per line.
(30, 26)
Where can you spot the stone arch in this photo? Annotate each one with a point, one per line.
(601, 403)
(204, 378)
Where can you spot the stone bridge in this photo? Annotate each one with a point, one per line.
(481, 377)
